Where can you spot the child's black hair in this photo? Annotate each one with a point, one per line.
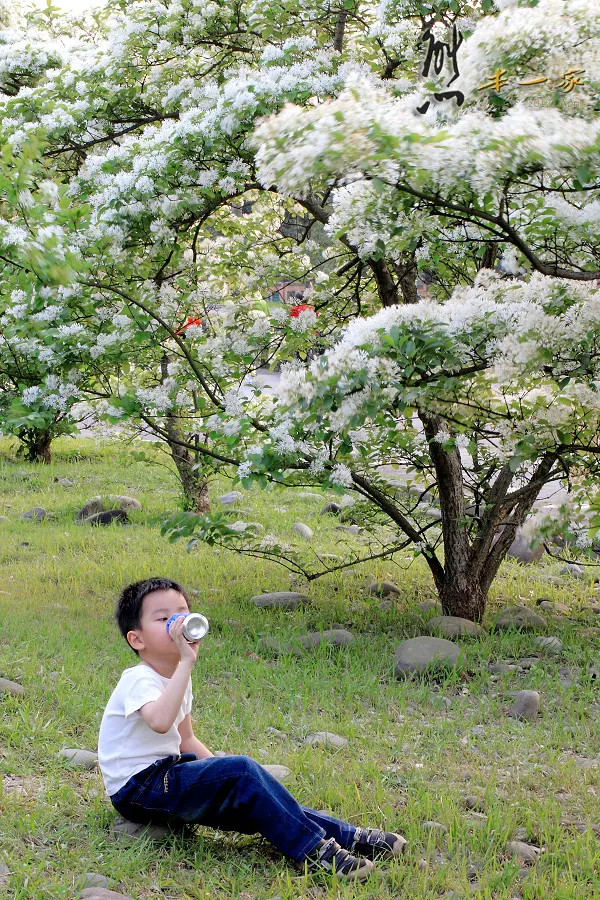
(129, 604)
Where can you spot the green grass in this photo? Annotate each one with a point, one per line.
(413, 755)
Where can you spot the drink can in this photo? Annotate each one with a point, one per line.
(195, 626)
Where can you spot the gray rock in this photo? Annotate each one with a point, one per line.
(338, 637)
(11, 687)
(418, 654)
(276, 732)
(327, 738)
(526, 705)
(549, 644)
(428, 606)
(527, 663)
(4, 519)
(38, 513)
(5, 874)
(520, 550)
(100, 893)
(93, 879)
(242, 526)
(280, 600)
(435, 827)
(303, 530)
(384, 589)
(573, 569)
(518, 617)
(473, 803)
(114, 501)
(527, 854)
(454, 626)
(65, 482)
(230, 498)
(80, 759)
(278, 772)
(333, 508)
(501, 668)
(274, 647)
(124, 828)
(107, 518)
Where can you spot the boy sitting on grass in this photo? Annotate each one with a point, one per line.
(157, 771)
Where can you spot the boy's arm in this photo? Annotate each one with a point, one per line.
(189, 741)
(160, 714)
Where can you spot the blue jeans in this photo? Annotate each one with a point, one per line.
(233, 793)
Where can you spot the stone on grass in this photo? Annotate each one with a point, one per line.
(573, 569)
(65, 482)
(521, 551)
(114, 501)
(11, 687)
(549, 644)
(327, 738)
(454, 626)
(107, 517)
(527, 854)
(435, 827)
(124, 828)
(4, 519)
(278, 772)
(526, 706)
(279, 600)
(230, 498)
(5, 874)
(100, 893)
(37, 513)
(272, 646)
(95, 880)
(384, 589)
(338, 637)
(427, 606)
(80, 759)
(501, 668)
(303, 530)
(333, 508)
(553, 607)
(519, 618)
(419, 654)
(473, 803)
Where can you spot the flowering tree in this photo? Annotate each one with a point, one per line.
(415, 141)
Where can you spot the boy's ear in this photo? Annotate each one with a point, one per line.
(134, 640)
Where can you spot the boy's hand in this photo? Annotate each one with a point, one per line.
(188, 652)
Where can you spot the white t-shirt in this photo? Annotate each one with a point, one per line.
(126, 744)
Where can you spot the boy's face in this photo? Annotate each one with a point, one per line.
(151, 639)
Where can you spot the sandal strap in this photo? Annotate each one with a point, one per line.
(331, 856)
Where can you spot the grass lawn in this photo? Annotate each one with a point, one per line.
(416, 749)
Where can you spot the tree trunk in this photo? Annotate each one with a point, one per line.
(194, 485)
(462, 595)
(36, 445)
(340, 27)
(407, 271)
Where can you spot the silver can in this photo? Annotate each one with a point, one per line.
(195, 626)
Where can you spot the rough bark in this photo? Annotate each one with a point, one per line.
(406, 270)
(36, 445)
(463, 595)
(194, 485)
(340, 27)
